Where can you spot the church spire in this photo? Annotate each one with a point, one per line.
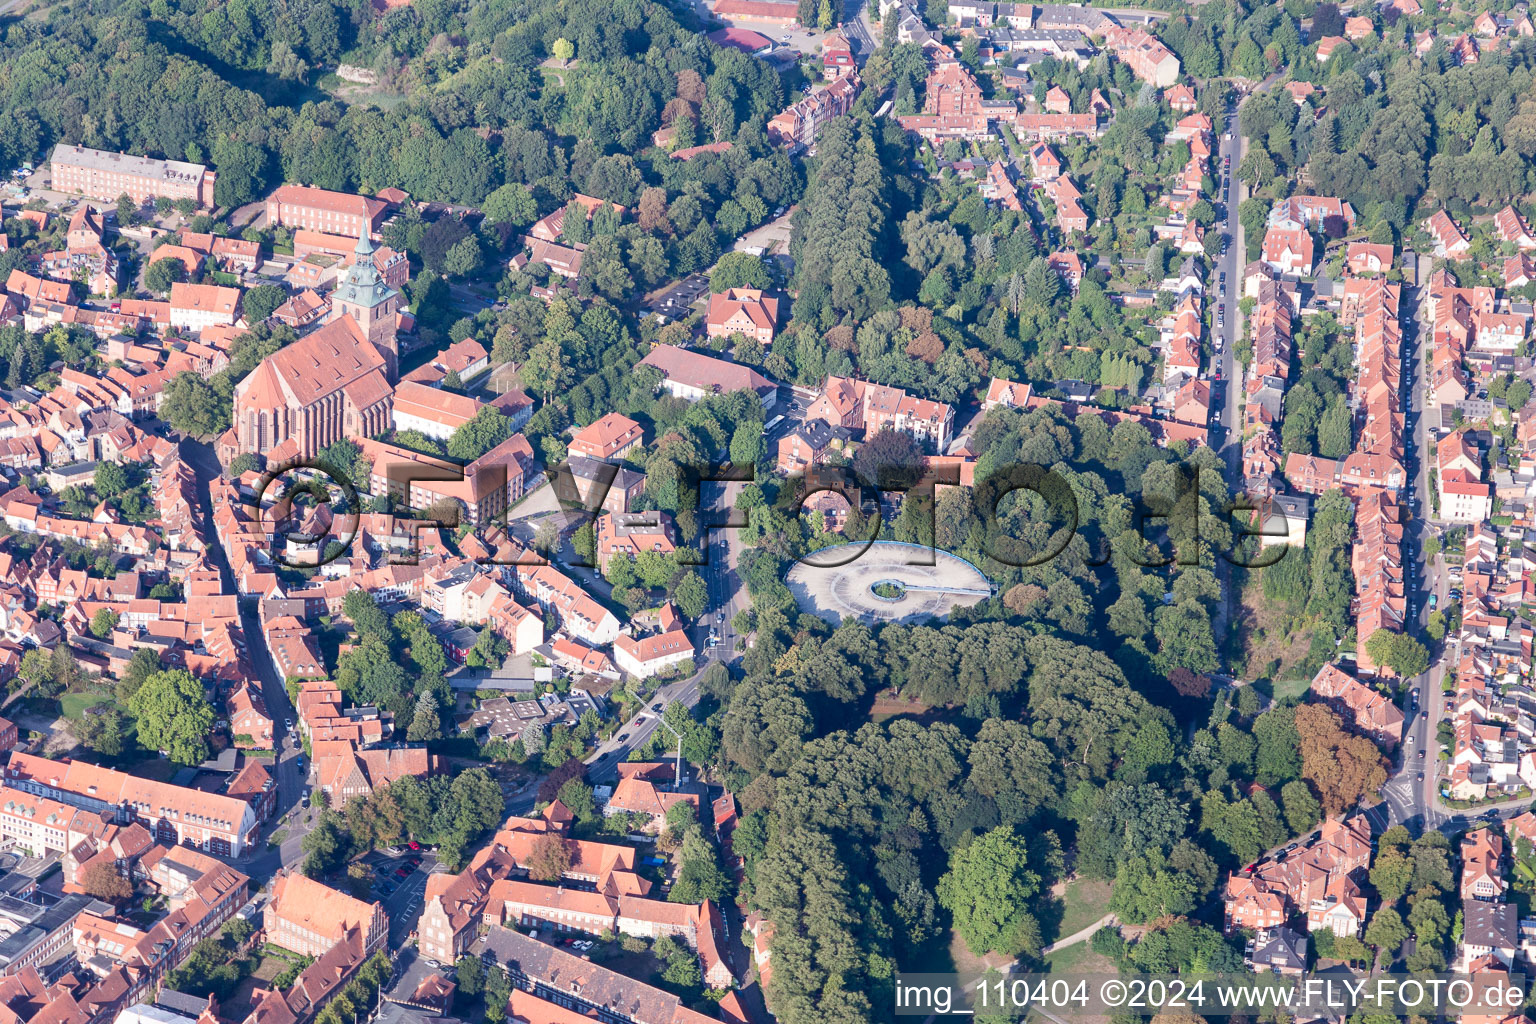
(365, 246)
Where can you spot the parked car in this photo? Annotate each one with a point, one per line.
(624, 738)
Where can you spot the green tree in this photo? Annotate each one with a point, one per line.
(1399, 652)
(511, 204)
(1386, 931)
(563, 50)
(111, 479)
(174, 716)
(101, 730)
(163, 273)
(485, 431)
(463, 257)
(1302, 810)
(259, 302)
(739, 270)
(103, 623)
(192, 406)
(690, 595)
(988, 889)
(425, 723)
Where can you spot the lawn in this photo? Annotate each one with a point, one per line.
(72, 705)
(966, 962)
(1284, 689)
(1079, 959)
(1084, 902)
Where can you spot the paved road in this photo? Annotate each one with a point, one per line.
(1081, 935)
(290, 814)
(727, 596)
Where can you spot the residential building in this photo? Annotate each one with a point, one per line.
(797, 127)
(1144, 53)
(1449, 240)
(1482, 868)
(1489, 929)
(1289, 250)
(646, 656)
(249, 722)
(344, 772)
(633, 534)
(1279, 950)
(198, 306)
(436, 413)
(863, 406)
(1371, 712)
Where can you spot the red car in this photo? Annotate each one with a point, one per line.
(414, 845)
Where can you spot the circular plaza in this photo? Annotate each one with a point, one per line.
(885, 581)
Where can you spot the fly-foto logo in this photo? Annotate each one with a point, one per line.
(1179, 523)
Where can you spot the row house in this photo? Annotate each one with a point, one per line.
(1053, 127)
(579, 614)
(1511, 227)
(550, 984)
(531, 905)
(1450, 242)
(453, 906)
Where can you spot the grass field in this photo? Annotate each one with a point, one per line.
(73, 705)
(1084, 902)
(966, 962)
(1079, 959)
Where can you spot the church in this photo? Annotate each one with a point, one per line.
(336, 382)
